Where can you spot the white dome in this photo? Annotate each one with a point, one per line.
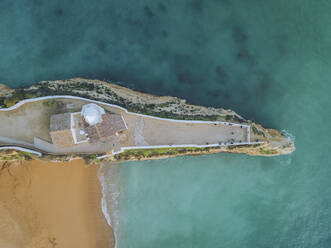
(92, 113)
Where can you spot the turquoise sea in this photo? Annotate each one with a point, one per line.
(268, 60)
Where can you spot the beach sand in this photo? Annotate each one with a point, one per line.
(45, 204)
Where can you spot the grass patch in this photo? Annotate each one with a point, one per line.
(16, 97)
(149, 153)
(233, 118)
(16, 155)
(268, 152)
(11, 101)
(53, 104)
(88, 158)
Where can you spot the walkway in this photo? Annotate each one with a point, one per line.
(154, 131)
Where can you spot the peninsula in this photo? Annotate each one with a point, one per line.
(96, 120)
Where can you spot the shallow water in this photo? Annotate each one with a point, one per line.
(267, 60)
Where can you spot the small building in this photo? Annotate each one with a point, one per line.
(60, 130)
(91, 125)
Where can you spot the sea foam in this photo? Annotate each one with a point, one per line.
(110, 196)
(288, 134)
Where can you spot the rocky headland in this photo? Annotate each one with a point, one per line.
(274, 143)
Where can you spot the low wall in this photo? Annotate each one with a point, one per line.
(123, 149)
(20, 149)
(20, 103)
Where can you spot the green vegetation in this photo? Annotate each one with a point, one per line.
(149, 153)
(62, 158)
(163, 105)
(89, 158)
(53, 104)
(110, 97)
(11, 101)
(268, 152)
(16, 155)
(233, 118)
(16, 97)
(169, 115)
(257, 131)
(82, 88)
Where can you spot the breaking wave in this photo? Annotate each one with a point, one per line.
(108, 176)
(288, 135)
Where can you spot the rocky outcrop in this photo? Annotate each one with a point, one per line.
(162, 106)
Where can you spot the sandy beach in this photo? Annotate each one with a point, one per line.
(45, 204)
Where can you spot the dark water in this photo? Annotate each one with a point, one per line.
(268, 60)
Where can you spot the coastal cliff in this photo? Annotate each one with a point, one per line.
(274, 141)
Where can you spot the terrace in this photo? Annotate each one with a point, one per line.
(31, 123)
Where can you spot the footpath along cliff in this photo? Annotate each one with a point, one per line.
(274, 141)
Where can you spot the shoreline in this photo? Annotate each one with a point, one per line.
(49, 204)
(110, 185)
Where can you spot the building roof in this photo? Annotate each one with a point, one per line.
(110, 125)
(62, 138)
(77, 127)
(92, 134)
(60, 122)
(92, 113)
(72, 128)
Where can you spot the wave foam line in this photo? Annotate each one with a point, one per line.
(111, 213)
(288, 134)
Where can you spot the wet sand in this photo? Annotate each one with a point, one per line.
(45, 204)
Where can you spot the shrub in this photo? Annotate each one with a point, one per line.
(268, 152)
(257, 131)
(53, 104)
(16, 97)
(88, 158)
(11, 101)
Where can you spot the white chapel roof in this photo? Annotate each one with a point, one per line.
(92, 113)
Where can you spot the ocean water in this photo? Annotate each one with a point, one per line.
(268, 60)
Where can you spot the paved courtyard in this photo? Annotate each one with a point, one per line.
(32, 120)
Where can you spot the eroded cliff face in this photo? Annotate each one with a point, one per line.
(274, 142)
(162, 106)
